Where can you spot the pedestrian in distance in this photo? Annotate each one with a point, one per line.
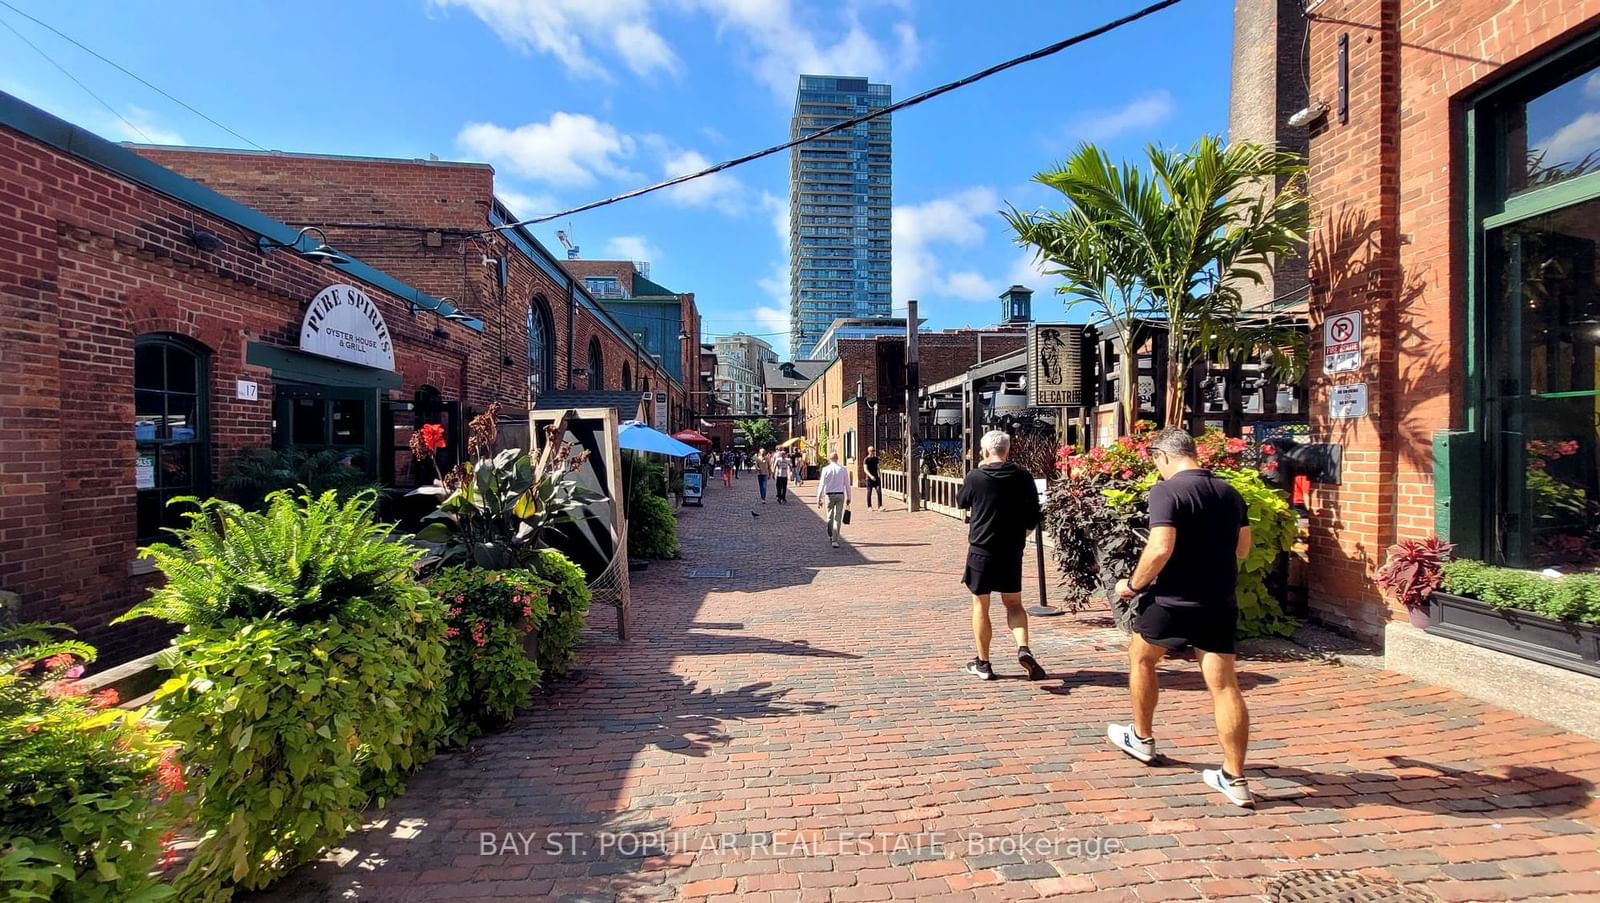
(871, 465)
(763, 473)
(780, 474)
(799, 467)
(833, 487)
(1002, 507)
(1184, 591)
(727, 469)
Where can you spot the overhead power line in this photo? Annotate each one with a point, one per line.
(120, 68)
(912, 101)
(86, 89)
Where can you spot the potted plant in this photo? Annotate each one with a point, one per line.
(1413, 569)
(1544, 617)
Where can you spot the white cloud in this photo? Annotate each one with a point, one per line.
(1028, 271)
(924, 235)
(1591, 85)
(591, 37)
(1573, 141)
(1142, 112)
(569, 149)
(719, 191)
(141, 126)
(632, 247)
(526, 205)
(576, 31)
(778, 208)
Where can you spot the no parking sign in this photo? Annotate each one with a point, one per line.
(1341, 342)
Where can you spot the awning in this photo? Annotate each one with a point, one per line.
(692, 437)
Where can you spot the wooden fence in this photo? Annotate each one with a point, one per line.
(938, 493)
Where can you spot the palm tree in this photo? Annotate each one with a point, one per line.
(1175, 241)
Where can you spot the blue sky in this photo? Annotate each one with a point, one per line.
(573, 100)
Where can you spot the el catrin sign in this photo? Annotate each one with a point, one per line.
(346, 325)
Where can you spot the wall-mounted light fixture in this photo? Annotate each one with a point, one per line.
(1305, 117)
(321, 251)
(204, 239)
(454, 316)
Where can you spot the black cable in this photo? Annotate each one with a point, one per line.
(51, 60)
(912, 101)
(69, 39)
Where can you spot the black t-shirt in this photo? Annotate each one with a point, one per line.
(872, 465)
(1004, 506)
(1207, 513)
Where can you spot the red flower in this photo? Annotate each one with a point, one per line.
(62, 660)
(1127, 474)
(433, 436)
(169, 772)
(169, 852)
(1271, 466)
(1236, 445)
(1268, 448)
(64, 689)
(105, 699)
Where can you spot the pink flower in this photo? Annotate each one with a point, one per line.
(452, 632)
(1127, 474)
(64, 689)
(1236, 445)
(1271, 466)
(74, 672)
(1569, 447)
(1268, 448)
(105, 699)
(61, 660)
(460, 598)
(1097, 453)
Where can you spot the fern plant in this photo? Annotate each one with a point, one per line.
(303, 559)
(258, 472)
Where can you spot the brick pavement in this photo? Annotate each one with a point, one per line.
(803, 731)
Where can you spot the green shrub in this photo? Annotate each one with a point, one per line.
(258, 472)
(307, 681)
(489, 614)
(652, 527)
(569, 604)
(1573, 597)
(87, 789)
(1272, 531)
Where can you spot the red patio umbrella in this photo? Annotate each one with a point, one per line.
(692, 437)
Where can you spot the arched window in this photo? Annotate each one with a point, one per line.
(597, 366)
(627, 377)
(171, 429)
(540, 354)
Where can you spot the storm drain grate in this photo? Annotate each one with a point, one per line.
(1328, 886)
(711, 572)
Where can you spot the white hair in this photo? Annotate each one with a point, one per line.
(996, 443)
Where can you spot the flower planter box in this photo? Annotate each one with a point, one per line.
(1563, 644)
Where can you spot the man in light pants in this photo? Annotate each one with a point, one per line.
(834, 485)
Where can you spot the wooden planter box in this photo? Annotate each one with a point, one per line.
(1563, 644)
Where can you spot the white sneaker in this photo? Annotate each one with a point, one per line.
(836, 545)
(1123, 737)
(1235, 789)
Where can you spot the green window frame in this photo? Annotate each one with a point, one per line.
(1468, 464)
(171, 430)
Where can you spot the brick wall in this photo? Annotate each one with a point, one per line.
(91, 261)
(408, 198)
(1388, 240)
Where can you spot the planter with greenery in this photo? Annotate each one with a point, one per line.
(88, 789)
(1548, 619)
(308, 679)
(652, 527)
(1412, 571)
(569, 599)
(494, 618)
(1096, 517)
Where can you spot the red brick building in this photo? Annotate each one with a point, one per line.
(151, 328)
(1455, 178)
(877, 367)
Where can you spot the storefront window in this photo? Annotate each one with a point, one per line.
(170, 430)
(627, 377)
(539, 353)
(597, 366)
(1554, 135)
(1539, 320)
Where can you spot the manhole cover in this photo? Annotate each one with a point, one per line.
(711, 572)
(1327, 886)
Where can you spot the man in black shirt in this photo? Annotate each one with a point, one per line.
(1199, 531)
(1004, 507)
(871, 464)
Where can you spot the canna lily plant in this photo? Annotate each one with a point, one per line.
(495, 506)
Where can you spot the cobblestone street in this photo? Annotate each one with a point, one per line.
(803, 730)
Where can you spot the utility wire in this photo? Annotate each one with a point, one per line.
(120, 68)
(51, 60)
(912, 101)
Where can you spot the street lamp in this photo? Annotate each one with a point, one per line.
(861, 398)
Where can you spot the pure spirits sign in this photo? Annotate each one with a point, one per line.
(346, 325)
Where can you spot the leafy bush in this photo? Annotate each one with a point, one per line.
(1573, 597)
(1413, 570)
(259, 472)
(652, 528)
(495, 507)
(87, 788)
(489, 615)
(306, 683)
(569, 603)
(1097, 518)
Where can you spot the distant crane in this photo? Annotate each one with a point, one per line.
(572, 249)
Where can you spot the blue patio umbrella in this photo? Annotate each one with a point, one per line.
(636, 436)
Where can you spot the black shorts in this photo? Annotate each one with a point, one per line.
(1208, 629)
(987, 573)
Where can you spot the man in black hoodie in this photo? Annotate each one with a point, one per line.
(1003, 507)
